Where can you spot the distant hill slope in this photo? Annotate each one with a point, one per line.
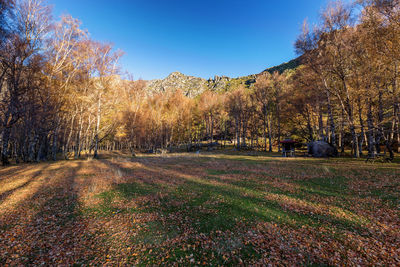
(292, 64)
(193, 86)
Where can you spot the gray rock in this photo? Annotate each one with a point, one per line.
(189, 85)
(321, 149)
(193, 86)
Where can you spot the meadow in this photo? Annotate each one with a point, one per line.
(209, 209)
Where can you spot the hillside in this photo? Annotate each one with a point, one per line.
(193, 86)
(292, 64)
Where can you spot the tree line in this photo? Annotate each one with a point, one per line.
(55, 84)
(345, 92)
(351, 65)
(61, 93)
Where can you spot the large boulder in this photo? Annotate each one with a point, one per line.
(321, 149)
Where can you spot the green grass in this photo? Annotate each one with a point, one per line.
(231, 208)
(209, 204)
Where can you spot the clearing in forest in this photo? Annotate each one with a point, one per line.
(210, 209)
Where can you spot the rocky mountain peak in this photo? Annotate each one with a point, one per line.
(176, 74)
(192, 86)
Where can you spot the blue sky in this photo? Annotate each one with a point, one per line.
(200, 38)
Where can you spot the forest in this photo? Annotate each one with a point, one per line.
(63, 93)
(102, 168)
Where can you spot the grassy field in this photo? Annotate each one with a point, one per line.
(208, 209)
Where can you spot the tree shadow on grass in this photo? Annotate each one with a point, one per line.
(13, 170)
(8, 193)
(49, 230)
(200, 205)
(230, 202)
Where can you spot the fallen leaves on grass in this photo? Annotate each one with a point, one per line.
(199, 211)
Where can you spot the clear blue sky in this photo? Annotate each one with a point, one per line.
(196, 37)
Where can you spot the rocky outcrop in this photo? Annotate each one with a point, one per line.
(321, 149)
(192, 86)
(218, 83)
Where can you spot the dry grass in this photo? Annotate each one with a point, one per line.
(211, 209)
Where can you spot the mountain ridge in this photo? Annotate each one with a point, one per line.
(193, 86)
